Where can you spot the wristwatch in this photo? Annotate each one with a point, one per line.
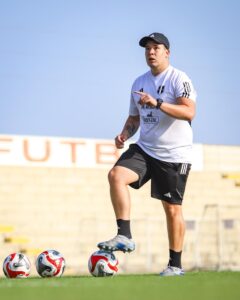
(159, 103)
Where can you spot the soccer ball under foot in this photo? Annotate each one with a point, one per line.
(102, 263)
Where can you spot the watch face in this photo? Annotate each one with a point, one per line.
(159, 103)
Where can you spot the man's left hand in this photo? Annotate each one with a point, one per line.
(146, 99)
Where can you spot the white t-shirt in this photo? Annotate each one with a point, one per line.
(161, 136)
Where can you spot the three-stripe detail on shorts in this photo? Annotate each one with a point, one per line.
(184, 168)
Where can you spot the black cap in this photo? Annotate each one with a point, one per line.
(156, 37)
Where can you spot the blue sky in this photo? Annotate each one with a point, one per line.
(66, 67)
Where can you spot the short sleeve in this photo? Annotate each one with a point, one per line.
(184, 87)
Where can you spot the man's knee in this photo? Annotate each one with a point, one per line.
(173, 210)
(113, 176)
(121, 175)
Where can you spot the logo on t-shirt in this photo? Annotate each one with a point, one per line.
(150, 119)
(161, 89)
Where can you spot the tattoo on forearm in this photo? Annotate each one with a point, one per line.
(131, 129)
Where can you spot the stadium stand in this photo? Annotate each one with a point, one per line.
(234, 176)
(68, 209)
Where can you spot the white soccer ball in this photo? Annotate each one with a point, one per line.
(50, 263)
(102, 263)
(16, 265)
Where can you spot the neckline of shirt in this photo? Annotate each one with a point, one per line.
(159, 76)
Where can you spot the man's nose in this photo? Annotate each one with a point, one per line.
(151, 51)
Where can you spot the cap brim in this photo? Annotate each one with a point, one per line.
(146, 39)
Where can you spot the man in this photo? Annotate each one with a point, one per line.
(163, 105)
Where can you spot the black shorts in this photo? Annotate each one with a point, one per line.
(168, 180)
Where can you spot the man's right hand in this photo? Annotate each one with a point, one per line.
(119, 141)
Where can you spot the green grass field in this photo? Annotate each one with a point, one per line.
(192, 286)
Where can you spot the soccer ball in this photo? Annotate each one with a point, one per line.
(102, 263)
(16, 265)
(50, 263)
